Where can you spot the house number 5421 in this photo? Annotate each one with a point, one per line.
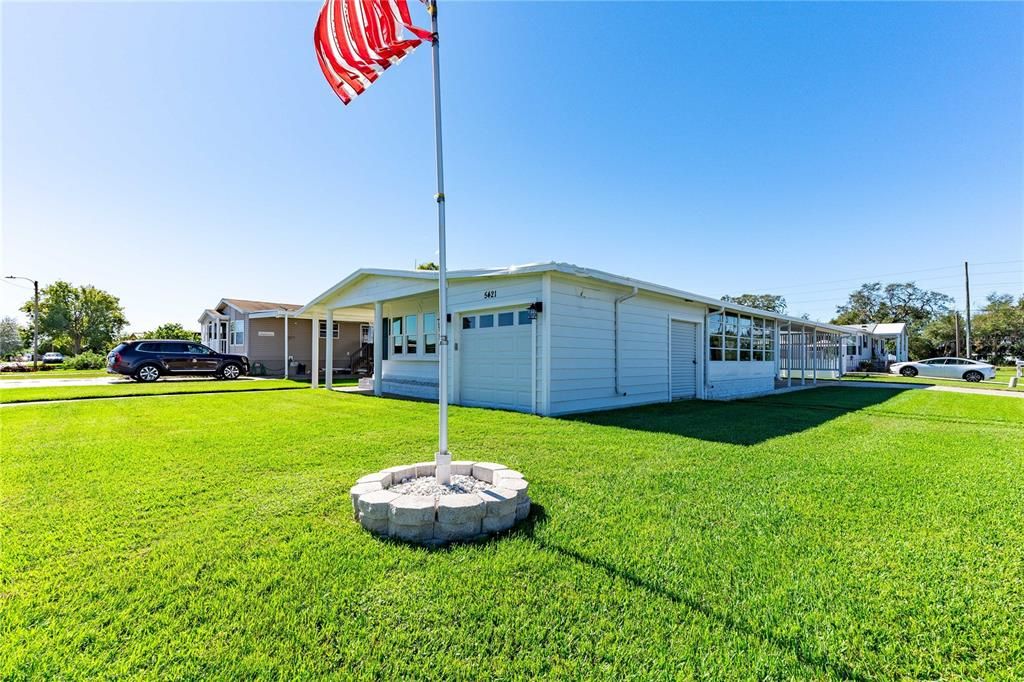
(492, 293)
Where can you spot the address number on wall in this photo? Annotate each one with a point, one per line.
(491, 293)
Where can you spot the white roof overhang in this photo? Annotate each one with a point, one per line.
(426, 280)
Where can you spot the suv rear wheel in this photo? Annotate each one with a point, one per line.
(231, 371)
(148, 373)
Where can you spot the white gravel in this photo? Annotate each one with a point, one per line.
(428, 485)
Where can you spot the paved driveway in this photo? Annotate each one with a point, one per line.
(923, 387)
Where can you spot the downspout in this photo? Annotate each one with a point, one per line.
(620, 299)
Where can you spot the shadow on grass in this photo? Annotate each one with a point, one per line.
(743, 422)
(820, 661)
(538, 517)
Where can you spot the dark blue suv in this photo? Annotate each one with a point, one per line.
(149, 359)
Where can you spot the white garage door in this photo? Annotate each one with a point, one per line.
(684, 360)
(494, 360)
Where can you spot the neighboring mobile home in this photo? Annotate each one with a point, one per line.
(555, 338)
(278, 341)
(875, 345)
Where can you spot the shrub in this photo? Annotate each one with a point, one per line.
(86, 360)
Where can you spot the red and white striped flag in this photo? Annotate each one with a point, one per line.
(356, 40)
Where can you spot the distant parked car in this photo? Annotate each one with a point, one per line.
(150, 359)
(52, 358)
(946, 368)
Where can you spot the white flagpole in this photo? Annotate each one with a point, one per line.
(443, 458)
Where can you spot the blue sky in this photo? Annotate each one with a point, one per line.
(177, 153)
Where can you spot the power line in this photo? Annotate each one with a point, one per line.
(925, 279)
(15, 284)
(942, 290)
(864, 278)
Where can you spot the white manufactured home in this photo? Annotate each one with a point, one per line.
(555, 338)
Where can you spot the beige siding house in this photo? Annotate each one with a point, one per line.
(279, 342)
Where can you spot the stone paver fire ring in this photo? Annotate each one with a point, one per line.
(483, 499)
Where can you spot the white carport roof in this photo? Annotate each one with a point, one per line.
(317, 305)
(880, 328)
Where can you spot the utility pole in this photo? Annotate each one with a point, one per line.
(956, 331)
(967, 287)
(35, 320)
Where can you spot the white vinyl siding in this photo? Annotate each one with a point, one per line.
(583, 345)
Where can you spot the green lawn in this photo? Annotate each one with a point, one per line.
(1001, 382)
(828, 534)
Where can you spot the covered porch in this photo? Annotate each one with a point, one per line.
(325, 365)
(213, 329)
(402, 339)
(809, 351)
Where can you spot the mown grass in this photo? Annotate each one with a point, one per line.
(826, 534)
(130, 388)
(1000, 383)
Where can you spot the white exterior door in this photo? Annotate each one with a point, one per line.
(495, 360)
(683, 345)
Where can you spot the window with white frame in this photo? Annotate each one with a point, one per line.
(396, 340)
(334, 325)
(741, 338)
(429, 333)
(413, 335)
(237, 332)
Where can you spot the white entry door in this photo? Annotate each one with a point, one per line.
(495, 360)
(683, 343)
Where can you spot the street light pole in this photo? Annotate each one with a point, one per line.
(35, 320)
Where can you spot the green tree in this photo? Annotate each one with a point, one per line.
(171, 330)
(770, 302)
(77, 318)
(998, 331)
(10, 336)
(428, 266)
(896, 302)
(939, 337)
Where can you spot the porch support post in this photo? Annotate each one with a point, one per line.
(803, 356)
(329, 352)
(379, 339)
(789, 355)
(314, 364)
(286, 367)
(814, 357)
(840, 357)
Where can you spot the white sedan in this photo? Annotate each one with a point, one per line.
(946, 368)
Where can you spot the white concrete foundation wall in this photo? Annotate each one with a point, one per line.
(416, 379)
(740, 387)
(735, 379)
